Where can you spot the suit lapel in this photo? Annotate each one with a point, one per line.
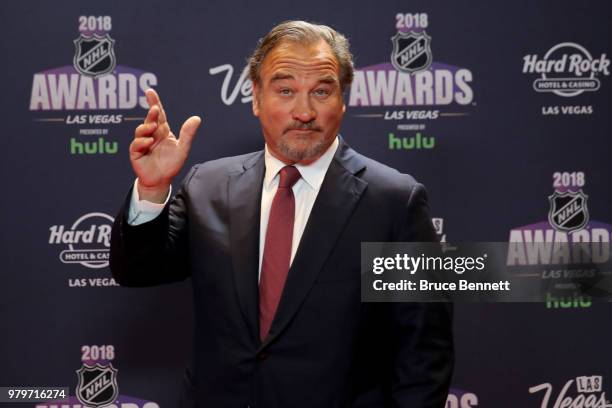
(244, 200)
(334, 204)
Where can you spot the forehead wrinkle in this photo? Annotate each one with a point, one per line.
(292, 70)
(297, 64)
(291, 61)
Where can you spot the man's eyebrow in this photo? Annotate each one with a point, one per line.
(280, 76)
(328, 79)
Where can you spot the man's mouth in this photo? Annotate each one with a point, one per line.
(300, 131)
(304, 129)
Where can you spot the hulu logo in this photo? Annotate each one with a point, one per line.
(98, 147)
(567, 302)
(415, 142)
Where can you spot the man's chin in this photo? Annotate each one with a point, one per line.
(294, 155)
(298, 154)
(302, 146)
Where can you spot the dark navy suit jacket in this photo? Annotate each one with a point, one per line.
(325, 348)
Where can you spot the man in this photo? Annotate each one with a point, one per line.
(272, 240)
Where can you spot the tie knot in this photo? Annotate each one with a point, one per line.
(289, 175)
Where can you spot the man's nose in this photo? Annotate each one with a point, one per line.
(303, 109)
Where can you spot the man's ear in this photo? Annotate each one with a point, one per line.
(255, 100)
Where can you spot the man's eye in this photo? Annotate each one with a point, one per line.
(285, 91)
(321, 92)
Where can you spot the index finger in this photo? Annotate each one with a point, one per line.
(152, 115)
(153, 99)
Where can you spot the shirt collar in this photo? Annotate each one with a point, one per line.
(313, 173)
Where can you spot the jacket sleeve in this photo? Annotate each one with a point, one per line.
(422, 353)
(155, 252)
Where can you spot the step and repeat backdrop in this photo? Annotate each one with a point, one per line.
(503, 111)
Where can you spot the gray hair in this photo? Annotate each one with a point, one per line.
(303, 32)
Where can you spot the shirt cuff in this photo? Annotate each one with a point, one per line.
(142, 211)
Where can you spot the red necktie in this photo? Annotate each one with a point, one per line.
(277, 249)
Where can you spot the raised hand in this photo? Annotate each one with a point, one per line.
(156, 154)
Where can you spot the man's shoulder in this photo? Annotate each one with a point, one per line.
(211, 177)
(226, 166)
(379, 176)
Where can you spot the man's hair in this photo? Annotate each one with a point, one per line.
(303, 32)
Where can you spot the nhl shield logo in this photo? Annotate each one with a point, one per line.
(411, 51)
(94, 56)
(97, 385)
(568, 211)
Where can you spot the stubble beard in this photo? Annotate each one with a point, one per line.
(302, 148)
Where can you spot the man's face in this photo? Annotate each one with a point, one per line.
(299, 101)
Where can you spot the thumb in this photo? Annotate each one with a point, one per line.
(188, 131)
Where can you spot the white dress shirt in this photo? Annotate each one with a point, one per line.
(305, 191)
